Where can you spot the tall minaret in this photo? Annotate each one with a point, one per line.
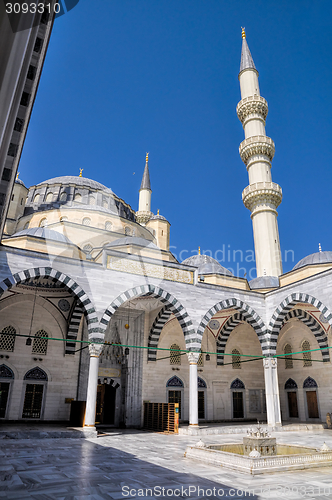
(144, 204)
(262, 196)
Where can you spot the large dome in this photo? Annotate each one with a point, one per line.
(77, 181)
(206, 265)
(315, 258)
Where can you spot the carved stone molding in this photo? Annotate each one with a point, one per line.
(95, 350)
(193, 357)
(262, 193)
(270, 363)
(256, 145)
(252, 105)
(143, 217)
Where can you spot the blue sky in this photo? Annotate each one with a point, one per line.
(125, 77)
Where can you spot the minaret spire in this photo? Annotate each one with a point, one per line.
(144, 204)
(262, 196)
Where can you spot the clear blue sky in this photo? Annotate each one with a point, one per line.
(125, 77)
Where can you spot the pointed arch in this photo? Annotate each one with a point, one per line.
(237, 384)
(174, 306)
(310, 322)
(6, 372)
(309, 382)
(247, 313)
(158, 324)
(174, 382)
(36, 374)
(73, 326)
(71, 285)
(290, 384)
(224, 334)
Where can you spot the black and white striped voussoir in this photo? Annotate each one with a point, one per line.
(54, 275)
(224, 333)
(158, 325)
(73, 326)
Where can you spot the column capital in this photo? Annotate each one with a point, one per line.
(193, 357)
(95, 350)
(270, 363)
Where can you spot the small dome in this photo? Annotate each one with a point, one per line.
(206, 265)
(18, 181)
(315, 258)
(158, 217)
(43, 232)
(132, 240)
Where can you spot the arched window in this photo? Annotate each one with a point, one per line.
(236, 359)
(36, 198)
(6, 372)
(26, 225)
(39, 345)
(63, 219)
(288, 357)
(7, 338)
(87, 248)
(78, 198)
(63, 196)
(174, 357)
(306, 355)
(309, 383)
(127, 231)
(174, 390)
(108, 225)
(201, 383)
(92, 200)
(237, 384)
(86, 221)
(200, 361)
(290, 384)
(174, 382)
(43, 222)
(49, 197)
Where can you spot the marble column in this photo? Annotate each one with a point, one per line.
(193, 388)
(95, 351)
(272, 392)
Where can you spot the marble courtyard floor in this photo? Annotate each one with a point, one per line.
(137, 464)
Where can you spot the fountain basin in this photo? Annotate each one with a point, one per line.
(288, 458)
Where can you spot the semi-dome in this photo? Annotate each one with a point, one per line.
(206, 265)
(44, 233)
(315, 258)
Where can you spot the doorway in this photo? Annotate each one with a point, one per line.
(105, 405)
(175, 397)
(201, 404)
(238, 410)
(33, 401)
(292, 404)
(4, 391)
(312, 404)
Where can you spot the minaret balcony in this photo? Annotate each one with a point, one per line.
(262, 193)
(256, 145)
(252, 106)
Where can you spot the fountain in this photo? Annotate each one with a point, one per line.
(259, 453)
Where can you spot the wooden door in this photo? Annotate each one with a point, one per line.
(312, 404)
(238, 405)
(33, 401)
(292, 404)
(175, 397)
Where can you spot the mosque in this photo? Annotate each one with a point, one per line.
(94, 307)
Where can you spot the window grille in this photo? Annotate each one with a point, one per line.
(86, 221)
(108, 225)
(63, 196)
(39, 345)
(306, 355)
(87, 248)
(289, 358)
(127, 231)
(7, 339)
(92, 200)
(43, 222)
(33, 401)
(200, 361)
(175, 357)
(236, 359)
(19, 123)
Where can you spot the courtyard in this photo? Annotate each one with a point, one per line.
(138, 464)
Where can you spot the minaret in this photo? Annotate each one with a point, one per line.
(144, 204)
(262, 196)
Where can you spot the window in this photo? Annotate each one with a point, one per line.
(26, 225)
(6, 375)
(43, 222)
(63, 196)
(175, 357)
(236, 359)
(44, 17)
(31, 72)
(200, 361)
(36, 198)
(108, 225)
(105, 203)
(6, 174)
(78, 198)
(12, 150)
(92, 200)
(87, 248)
(39, 345)
(127, 231)
(38, 45)
(21, 201)
(49, 197)
(63, 219)
(289, 357)
(86, 221)
(19, 124)
(12, 197)
(7, 338)
(306, 355)
(25, 99)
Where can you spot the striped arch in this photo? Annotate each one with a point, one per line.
(248, 314)
(73, 326)
(166, 298)
(70, 284)
(224, 333)
(283, 309)
(155, 332)
(313, 325)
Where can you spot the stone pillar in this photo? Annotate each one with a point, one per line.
(90, 412)
(272, 392)
(193, 388)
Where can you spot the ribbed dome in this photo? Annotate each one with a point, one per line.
(315, 258)
(43, 232)
(206, 265)
(78, 181)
